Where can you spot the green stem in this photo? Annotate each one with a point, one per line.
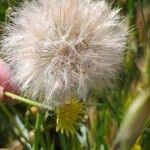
(13, 121)
(25, 100)
(134, 121)
(130, 11)
(37, 129)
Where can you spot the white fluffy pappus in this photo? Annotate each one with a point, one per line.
(57, 48)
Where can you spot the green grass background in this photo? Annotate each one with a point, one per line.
(18, 124)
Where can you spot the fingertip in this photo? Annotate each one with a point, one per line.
(1, 93)
(4, 71)
(4, 75)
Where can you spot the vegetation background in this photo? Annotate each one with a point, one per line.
(18, 122)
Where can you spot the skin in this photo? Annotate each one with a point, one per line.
(5, 85)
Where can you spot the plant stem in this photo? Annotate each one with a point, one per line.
(25, 100)
(37, 130)
(134, 121)
(13, 121)
(131, 11)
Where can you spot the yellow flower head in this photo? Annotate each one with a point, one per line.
(69, 115)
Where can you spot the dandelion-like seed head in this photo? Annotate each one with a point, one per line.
(57, 48)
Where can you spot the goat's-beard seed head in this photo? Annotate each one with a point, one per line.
(66, 47)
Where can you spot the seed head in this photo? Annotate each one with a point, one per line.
(57, 48)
